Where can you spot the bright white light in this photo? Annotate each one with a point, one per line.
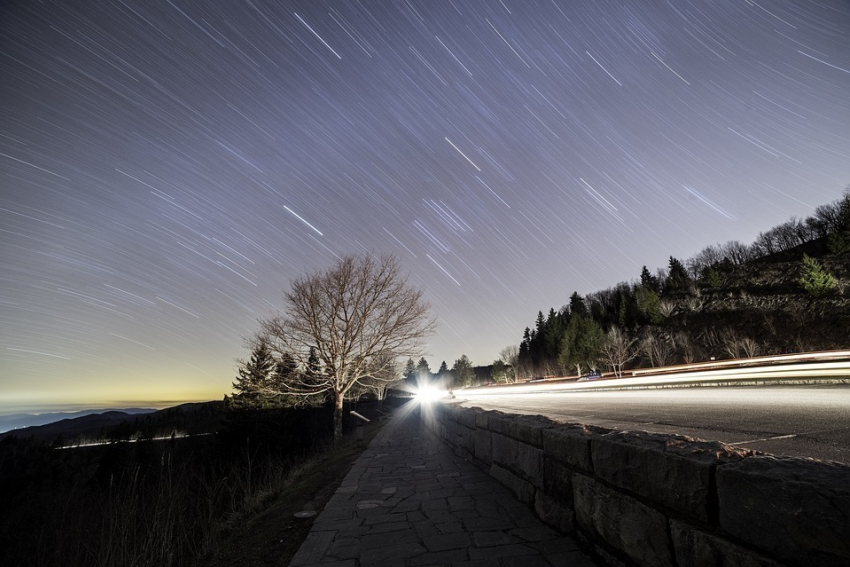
(430, 394)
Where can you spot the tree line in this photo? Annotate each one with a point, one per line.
(615, 327)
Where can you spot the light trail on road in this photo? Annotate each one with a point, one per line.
(801, 421)
(796, 371)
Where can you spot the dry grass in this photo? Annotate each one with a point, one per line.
(273, 535)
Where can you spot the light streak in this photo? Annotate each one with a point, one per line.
(603, 68)
(463, 154)
(784, 371)
(442, 268)
(668, 67)
(317, 36)
(302, 220)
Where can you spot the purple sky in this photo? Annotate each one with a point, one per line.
(166, 168)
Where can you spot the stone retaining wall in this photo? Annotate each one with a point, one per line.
(660, 500)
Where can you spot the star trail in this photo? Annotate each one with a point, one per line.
(167, 168)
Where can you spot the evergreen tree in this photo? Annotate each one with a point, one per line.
(577, 305)
(551, 339)
(443, 369)
(582, 344)
(410, 371)
(648, 281)
(814, 279)
(525, 349)
(500, 371)
(711, 277)
(286, 370)
(422, 369)
(535, 344)
(312, 373)
(256, 373)
(838, 242)
(463, 373)
(649, 306)
(624, 318)
(677, 278)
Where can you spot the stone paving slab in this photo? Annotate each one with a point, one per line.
(409, 501)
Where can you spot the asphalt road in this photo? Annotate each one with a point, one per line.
(801, 421)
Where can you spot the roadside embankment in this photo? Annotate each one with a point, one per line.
(654, 500)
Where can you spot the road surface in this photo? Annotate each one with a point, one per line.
(801, 421)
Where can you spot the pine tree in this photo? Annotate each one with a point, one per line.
(814, 279)
(256, 373)
(443, 369)
(410, 371)
(577, 305)
(500, 371)
(648, 281)
(286, 372)
(582, 343)
(422, 369)
(649, 305)
(711, 277)
(463, 373)
(678, 278)
(838, 242)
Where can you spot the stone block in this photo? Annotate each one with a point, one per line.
(797, 510)
(482, 419)
(450, 427)
(466, 416)
(529, 428)
(451, 412)
(696, 548)
(558, 481)
(622, 522)
(464, 438)
(529, 463)
(483, 446)
(672, 470)
(554, 513)
(523, 490)
(504, 450)
(499, 422)
(570, 444)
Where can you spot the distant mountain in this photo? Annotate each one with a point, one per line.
(24, 420)
(189, 418)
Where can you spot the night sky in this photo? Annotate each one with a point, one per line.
(168, 167)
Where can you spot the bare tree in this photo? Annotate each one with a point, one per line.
(386, 372)
(708, 256)
(510, 356)
(658, 349)
(618, 350)
(737, 346)
(688, 348)
(737, 252)
(750, 348)
(667, 308)
(359, 316)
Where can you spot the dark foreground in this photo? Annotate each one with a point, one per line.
(409, 500)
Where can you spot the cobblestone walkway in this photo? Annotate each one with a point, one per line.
(409, 501)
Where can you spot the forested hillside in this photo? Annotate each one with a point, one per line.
(788, 291)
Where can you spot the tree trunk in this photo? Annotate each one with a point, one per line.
(338, 399)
